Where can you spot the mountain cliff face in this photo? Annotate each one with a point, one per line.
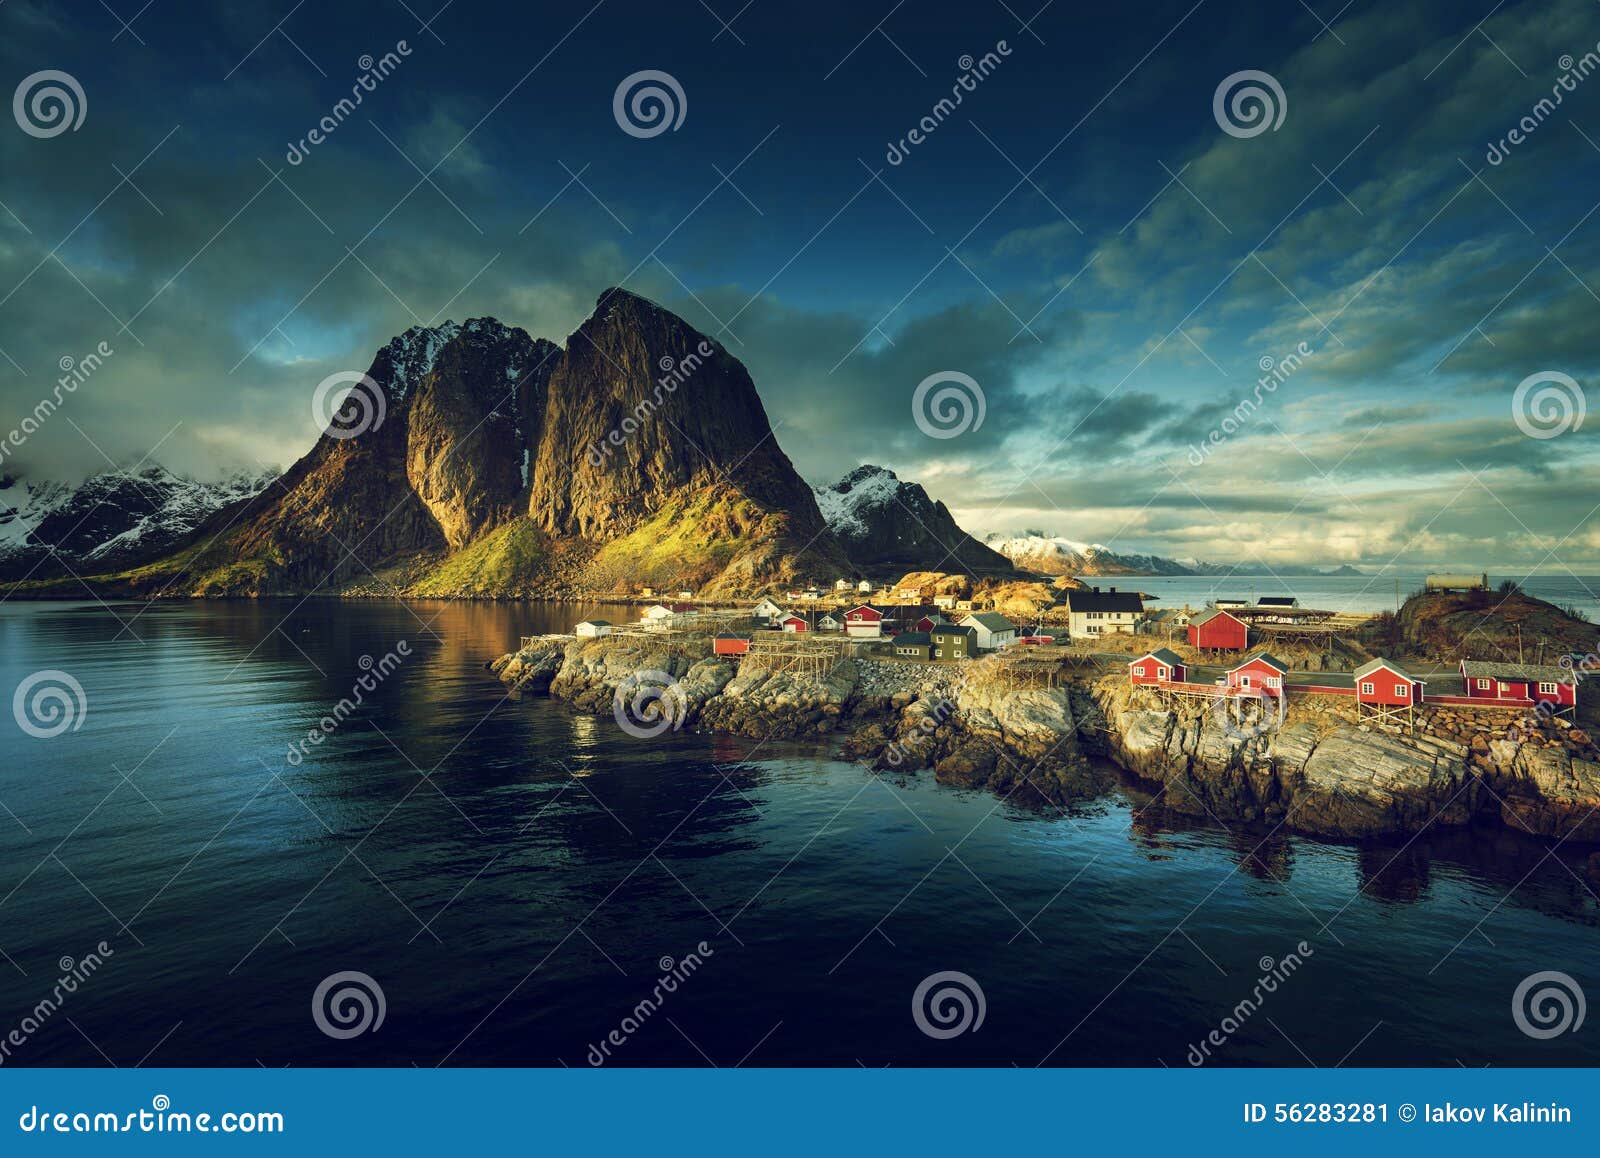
(887, 525)
(475, 460)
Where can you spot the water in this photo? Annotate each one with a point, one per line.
(512, 873)
(1345, 592)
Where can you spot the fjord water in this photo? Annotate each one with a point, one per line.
(514, 876)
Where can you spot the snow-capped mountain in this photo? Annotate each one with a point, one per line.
(886, 524)
(1050, 555)
(111, 521)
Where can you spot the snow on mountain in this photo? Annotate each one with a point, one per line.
(886, 524)
(114, 519)
(414, 353)
(1052, 555)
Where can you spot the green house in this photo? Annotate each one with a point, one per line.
(913, 645)
(952, 642)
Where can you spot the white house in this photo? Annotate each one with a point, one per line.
(1097, 612)
(994, 630)
(657, 613)
(592, 628)
(832, 621)
(864, 587)
(767, 610)
(841, 584)
(944, 602)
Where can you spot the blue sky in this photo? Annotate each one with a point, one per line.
(1080, 236)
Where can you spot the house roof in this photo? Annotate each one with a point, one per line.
(1163, 655)
(1518, 671)
(1277, 601)
(1211, 613)
(1097, 600)
(954, 629)
(1263, 657)
(746, 638)
(993, 620)
(913, 638)
(596, 623)
(1382, 664)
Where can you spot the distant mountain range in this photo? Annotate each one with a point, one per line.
(1050, 555)
(114, 520)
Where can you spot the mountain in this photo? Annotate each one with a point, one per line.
(474, 460)
(1050, 555)
(888, 525)
(114, 520)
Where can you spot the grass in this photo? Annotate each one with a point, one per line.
(503, 562)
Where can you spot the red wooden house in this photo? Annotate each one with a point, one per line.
(794, 623)
(1158, 667)
(1488, 680)
(730, 645)
(1260, 673)
(929, 622)
(864, 621)
(1381, 682)
(1216, 630)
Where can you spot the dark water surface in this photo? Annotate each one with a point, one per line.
(512, 874)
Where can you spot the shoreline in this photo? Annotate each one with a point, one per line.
(1320, 773)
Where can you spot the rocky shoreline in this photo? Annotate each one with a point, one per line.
(1320, 772)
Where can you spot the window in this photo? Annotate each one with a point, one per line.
(1367, 688)
(938, 653)
(1274, 682)
(1547, 689)
(1244, 681)
(1139, 671)
(1483, 685)
(1161, 673)
(1400, 690)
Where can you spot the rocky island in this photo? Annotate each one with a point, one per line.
(1322, 771)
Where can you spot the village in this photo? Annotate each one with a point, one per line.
(1253, 656)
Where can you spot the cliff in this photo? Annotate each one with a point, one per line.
(474, 460)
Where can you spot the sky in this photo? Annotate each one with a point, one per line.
(1114, 262)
